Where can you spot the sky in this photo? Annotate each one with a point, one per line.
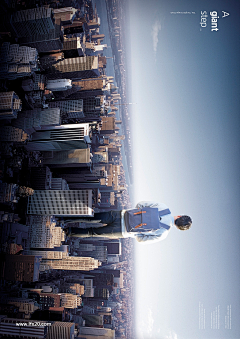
(185, 126)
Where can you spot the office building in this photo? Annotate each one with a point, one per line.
(10, 133)
(10, 105)
(69, 108)
(14, 232)
(47, 254)
(9, 329)
(80, 67)
(73, 158)
(72, 288)
(8, 193)
(41, 178)
(69, 300)
(50, 329)
(61, 203)
(96, 252)
(19, 267)
(70, 263)
(73, 47)
(94, 332)
(43, 232)
(63, 137)
(59, 184)
(45, 43)
(64, 14)
(25, 305)
(61, 330)
(59, 85)
(48, 60)
(37, 119)
(88, 287)
(17, 61)
(31, 22)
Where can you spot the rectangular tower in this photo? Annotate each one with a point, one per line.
(61, 203)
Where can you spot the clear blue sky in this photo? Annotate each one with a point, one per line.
(186, 154)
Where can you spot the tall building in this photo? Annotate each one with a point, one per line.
(69, 300)
(59, 85)
(36, 21)
(43, 232)
(10, 105)
(72, 47)
(10, 133)
(61, 330)
(9, 329)
(34, 120)
(64, 14)
(73, 158)
(64, 137)
(69, 108)
(19, 267)
(26, 306)
(88, 287)
(59, 184)
(61, 203)
(97, 252)
(41, 178)
(8, 192)
(26, 330)
(47, 254)
(70, 263)
(94, 332)
(72, 288)
(80, 67)
(17, 61)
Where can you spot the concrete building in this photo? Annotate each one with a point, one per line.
(17, 61)
(73, 158)
(71, 108)
(69, 300)
(19, 267)
(47, 254)
(37, 119)
(10, 105)
(94, 332)
(64, 14)
(10, 133)
(9, 329)
(36, 21)
(63, 137)
(80, 67)
(25, 305)
(61, 330)
(59, 184)
(70, 263)
(59, 85)
(43, 232)
(61, 203)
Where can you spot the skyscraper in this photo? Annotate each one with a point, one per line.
(37, 119)
(61, 203)
(10, 105)
(64, 137)
(43, 232)
(32, 21)
(80, 67)
(70, 263)
(17, 61)
(69, 108)
(20, 267)
(73, 158)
